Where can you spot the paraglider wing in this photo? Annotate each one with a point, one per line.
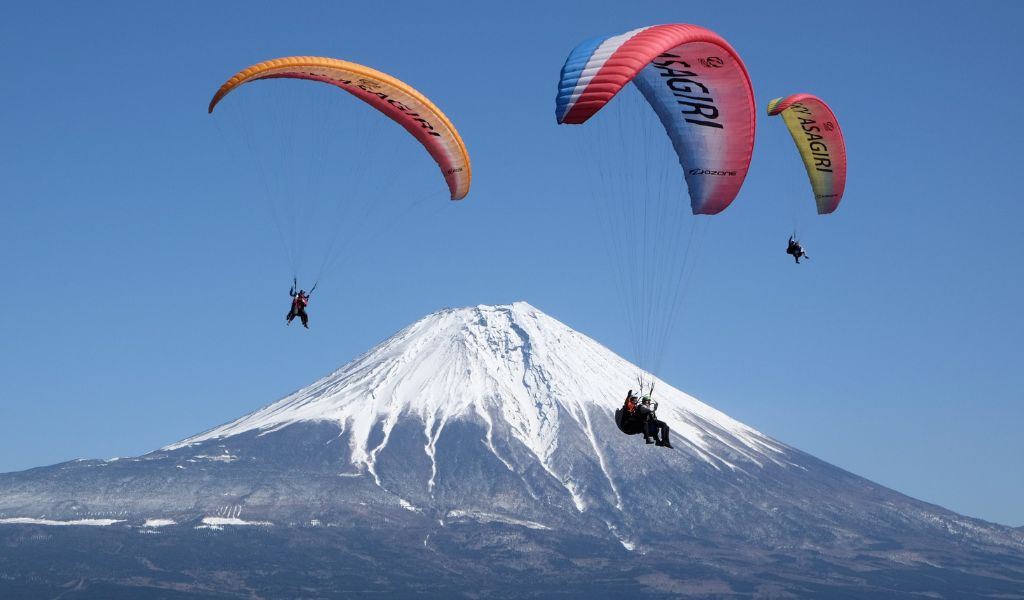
(696, 83)
(397, 100)
(816, 132)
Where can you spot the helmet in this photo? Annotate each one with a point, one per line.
(645, 400)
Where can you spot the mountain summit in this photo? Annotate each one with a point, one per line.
(537, 389)
(486, 434)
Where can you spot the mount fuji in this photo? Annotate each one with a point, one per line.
(474, 454)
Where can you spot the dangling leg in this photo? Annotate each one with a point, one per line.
(657, 427)
(654, 429)
(664, 435)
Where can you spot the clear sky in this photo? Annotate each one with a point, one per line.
(144, 289)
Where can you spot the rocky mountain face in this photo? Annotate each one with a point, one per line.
(474, 453)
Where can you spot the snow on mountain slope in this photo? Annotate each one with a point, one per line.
(511, 363)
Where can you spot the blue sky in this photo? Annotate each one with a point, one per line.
(144, 287)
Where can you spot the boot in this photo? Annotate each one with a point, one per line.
(649, 439)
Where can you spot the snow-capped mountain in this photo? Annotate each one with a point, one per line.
(491, 428)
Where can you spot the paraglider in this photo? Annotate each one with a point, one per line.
(638, 415)
(795, 250)
(699, 90)
(300, 300)
(817, 135)
(655, 430)
(312, 196)
(626, 418)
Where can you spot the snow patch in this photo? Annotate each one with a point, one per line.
(408, 506)
(216, 457)
(31, 521)
(221, 521)
(484, 517)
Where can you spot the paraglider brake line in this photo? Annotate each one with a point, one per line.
(640, 381)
